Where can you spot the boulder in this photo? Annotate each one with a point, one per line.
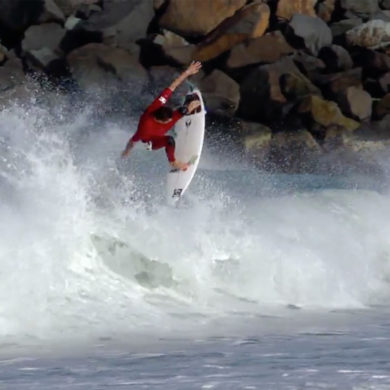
(334, 84)
(261, 95)
(68, 7)
(51, 13)
(325, 10)
(382, 108)
(47, 35)
(373, 34)
(193, 17)
(72, 22)
(336, 58)
(373, 62)
(250, 22)
(122, 22)
(288, 8)
(221, 93)
(340, 28)
(326, 113)
(385, 4)
(363, 8)
(268, 48)
(3, 54)
(97, 66)
(294, 151)
(11, 73)
(314, 32)
(356, 102)
(309, 65)
(256, 139)
(174, 46)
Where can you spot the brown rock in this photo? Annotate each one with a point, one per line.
(198, 17)
(326, 113)
(221, 93)
(250, 22)
(287, 8)
(268, 48)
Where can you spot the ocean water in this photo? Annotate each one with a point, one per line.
(255, 281)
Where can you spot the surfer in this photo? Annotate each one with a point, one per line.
(158, 119)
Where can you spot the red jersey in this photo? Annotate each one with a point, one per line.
(148, 127)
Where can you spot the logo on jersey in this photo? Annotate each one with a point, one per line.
(162, 99)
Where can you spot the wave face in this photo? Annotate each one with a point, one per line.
(88, 245)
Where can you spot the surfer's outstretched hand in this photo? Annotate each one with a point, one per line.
(194, 68)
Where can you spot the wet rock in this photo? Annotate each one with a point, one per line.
(385, 4)
(314, 32)
(256, 140)
(98, 66)
(250, 22)
(72, 22)
(261, 94)
(221, 93)
(68, 7)
(288, 8)
(193, 17)
(373, 62)
(373, 34)
(360, 7)
(3, 54)
(336, 58)
(121, 22)
(326, 113)
(51, 13)
(268, 48)
(294, 151)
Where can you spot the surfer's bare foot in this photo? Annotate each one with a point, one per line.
(179, 165)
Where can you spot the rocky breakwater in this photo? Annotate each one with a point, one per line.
(299, 85)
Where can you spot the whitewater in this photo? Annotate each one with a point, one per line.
(257, 281)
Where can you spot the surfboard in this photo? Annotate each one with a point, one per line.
(189, 135)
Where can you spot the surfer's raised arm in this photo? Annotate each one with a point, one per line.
(191, 70)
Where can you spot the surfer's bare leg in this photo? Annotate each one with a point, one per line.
(168, 143)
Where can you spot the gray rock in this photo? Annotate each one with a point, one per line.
(122, 22)
(314, 32)
(51, 13)
(97, 66)
(262, 98)
(72, 22)
(336, 58)
(47, 35)
(385, 4)
(360, 7)
(341, 27)
(42, 57)
(221, 93)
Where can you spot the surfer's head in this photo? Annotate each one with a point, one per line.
(163, 114)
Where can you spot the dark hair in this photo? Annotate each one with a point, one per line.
(163, 113)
